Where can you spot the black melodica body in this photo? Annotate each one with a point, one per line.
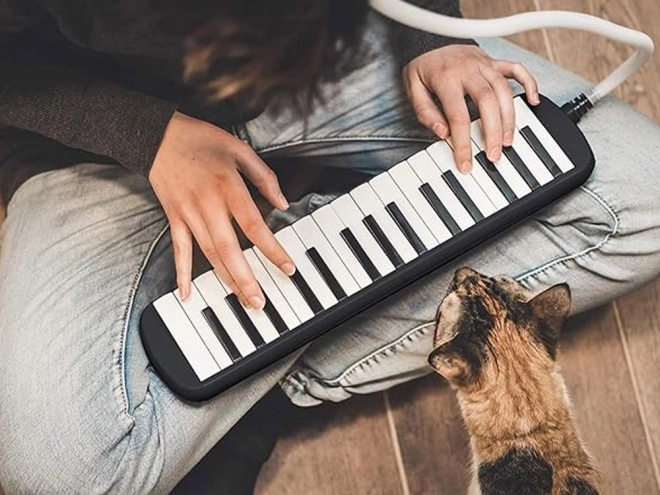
(367, 244)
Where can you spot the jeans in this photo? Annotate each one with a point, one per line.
(85, 249)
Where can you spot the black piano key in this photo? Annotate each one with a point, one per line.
(359, 253)
(326, 273)
(382, 240)
(520, 167)
(540, 151)
(462, 196)
(396, 214)
(274, 317)
(496, 177)
(245, 320)
(439, 208)
(306, 292)
(221, 333)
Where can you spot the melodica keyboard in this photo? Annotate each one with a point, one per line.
(353, 252)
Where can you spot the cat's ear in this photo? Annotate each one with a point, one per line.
(450, 364)
(551, 307)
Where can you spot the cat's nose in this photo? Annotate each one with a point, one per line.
(462, 274)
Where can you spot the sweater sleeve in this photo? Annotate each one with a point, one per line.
(42, 92)
(408, 43)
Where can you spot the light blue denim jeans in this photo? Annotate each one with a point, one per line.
(85, 249)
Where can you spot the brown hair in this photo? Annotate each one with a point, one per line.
(259, 49)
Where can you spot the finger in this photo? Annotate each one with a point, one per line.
(247, 215)
(489, 114)
(223, 274)
(182, 245)
(426, 110)
(201, 233)
(229, 250)
(262, 176)
(453, 103)
(504, 97)
(520, 73)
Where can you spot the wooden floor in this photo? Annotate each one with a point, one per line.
(410, 440)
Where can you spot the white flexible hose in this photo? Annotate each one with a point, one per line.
(432, 22)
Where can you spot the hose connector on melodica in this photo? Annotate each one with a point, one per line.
(577, 107)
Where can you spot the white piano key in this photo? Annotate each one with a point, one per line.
(263, 324)
(350, 214)
(193, 306)
(214, 294)
(296, 249)
(388, 191)
(409, 183)
(311, 236)
(186, 337)
(486, 183)
(259, 318)
(530, 159)
(512, 177)
(369, 203)
(443, 156)
(504, 166)
(428, 172)
(271, 290)
(289, 291)
(331, 226)
(525, 117)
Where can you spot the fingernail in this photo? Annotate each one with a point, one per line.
(508, 138)
(466, 166)
(439, 129)
(535, 99)
(184, 293)
(257, 302)
(288, 268)
(495, 154)
(283, 202)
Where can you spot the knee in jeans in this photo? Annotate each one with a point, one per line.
(84, 454)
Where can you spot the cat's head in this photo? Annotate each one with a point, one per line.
(484, 321)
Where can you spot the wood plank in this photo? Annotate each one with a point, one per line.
(434, 444)
(335, 448)
(604, 403)
(594, 57)
(639, 315)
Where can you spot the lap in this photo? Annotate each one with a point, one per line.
(602, 238)
(84, 250)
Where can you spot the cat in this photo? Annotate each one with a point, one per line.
(496, 344)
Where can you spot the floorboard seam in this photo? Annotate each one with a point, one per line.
(396, 446)
(640, 404)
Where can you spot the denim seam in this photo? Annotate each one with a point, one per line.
(572, 257)
(127, 314)
(293, 144)
(390, 347)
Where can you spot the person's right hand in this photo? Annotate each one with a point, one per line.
(196, 176)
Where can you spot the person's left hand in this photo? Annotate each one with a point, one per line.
(450, 73)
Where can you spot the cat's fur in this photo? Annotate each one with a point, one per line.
(497, 345)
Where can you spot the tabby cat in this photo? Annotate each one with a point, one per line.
(496, 344)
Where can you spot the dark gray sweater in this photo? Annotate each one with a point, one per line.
(85, 80)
